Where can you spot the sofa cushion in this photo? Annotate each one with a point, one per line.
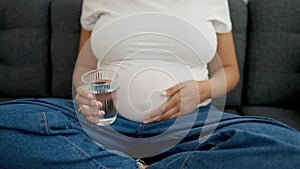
(231, 111)
(65, 26)
(287, 116)
(24, 48)
(273, 64)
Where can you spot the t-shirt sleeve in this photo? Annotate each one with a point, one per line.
(90, 14)
(220, 16)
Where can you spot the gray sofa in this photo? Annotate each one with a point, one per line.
(39, 45)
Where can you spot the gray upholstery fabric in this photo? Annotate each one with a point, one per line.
(65, 22)
(239, 17)
(39, 44)
(231, 111)
(273, 63)
(287, 116)
(24, 48)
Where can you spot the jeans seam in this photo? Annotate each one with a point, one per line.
(141, 130)
(45, 122)
(203, 164)
(185, 160)
(83, 152)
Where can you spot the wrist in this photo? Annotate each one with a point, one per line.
(204, 89)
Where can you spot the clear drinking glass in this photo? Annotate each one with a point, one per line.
(103, 84)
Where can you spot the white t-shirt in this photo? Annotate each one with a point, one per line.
(154, 45)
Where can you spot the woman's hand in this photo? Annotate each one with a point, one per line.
(183, 99)
(224, 76)
(88, 105)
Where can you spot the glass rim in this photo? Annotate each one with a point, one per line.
(83, 80)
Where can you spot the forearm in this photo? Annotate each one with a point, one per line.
(86, 60)
(78, 72)
(220, 83)
(83, 66)
(224, 71)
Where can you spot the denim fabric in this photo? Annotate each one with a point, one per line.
(46, 133)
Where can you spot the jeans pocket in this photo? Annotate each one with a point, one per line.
(55, 122)
(49, 122)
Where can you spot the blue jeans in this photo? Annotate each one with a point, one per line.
(46, 133)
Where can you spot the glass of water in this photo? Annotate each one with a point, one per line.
(103, 84)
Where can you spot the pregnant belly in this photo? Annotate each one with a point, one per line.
(141, 87)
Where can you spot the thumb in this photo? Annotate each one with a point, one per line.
(171, 91)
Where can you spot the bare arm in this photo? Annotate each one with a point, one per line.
(184, 98)
(223, 68)
(86, 60)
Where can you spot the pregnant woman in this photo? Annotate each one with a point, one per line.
(172, 58)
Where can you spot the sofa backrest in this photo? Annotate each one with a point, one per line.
(65, 33)
(24, 49)
(273, 59)
(39, 44)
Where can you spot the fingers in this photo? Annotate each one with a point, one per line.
(171, 113)
(157, 112)
(92, 115)
(92, 119)
(84, 93)
(88, 106)
(170, 109)
(85, 97)
(183, 99)
(84, 101)
(171, 91)
(87, 111)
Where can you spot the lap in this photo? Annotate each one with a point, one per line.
(50, 130)
(45, 133)
(234, 142)
(205, 130)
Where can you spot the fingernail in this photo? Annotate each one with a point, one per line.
(98, 104)
(164, 93)
(90, 96)
(101, 113)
